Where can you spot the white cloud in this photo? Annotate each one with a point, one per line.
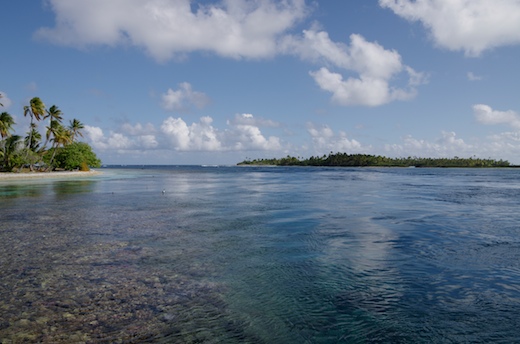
(505, 145)
(5, 101)
(374, 65)
(197, 136)
(325, 140)
(147, 141)
(358, 91)
(448, 145)
(473, 77)
(178, 132)
(472, 26)
(96, 137)
(486, 115)
(449, 139)
(507, 136)
(114, 141)
(249, 119)
(499, 146)
(183, 98)
(202, 136)
(131, 138)
(237, 28)
(249, 137)
(245, 133)
(177, 135)
(119, 141)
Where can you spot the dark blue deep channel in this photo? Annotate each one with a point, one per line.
(191, 254)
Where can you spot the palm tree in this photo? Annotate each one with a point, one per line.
(6, 124)
(55, 117)
(75, 128)
(54, 114)
(10, 146)
(61, 137)
(33, 138)
(35, 109)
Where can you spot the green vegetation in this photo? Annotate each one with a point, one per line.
(357, 160)
(76, 155)
(59, 150)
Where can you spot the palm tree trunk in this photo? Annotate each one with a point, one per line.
(31, 168)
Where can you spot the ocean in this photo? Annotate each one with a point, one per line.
(235, 254)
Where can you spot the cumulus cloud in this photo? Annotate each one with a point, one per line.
(202, 136)
(183, 98)
(447, 145)
(249, 137)
(236, 29)
(325, 140)
(119, 141)
(197, 136)
(374, 66)
(175, 134)
(147, 141)
(470, 26)
(96, 137)
(449, 139)
(513, 136)
(140, 136)
(5, 101)
(114, 141)
(130, 138)
(358, 91)
(486, 115)
(498, 146)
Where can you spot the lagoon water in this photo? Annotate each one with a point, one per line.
(193, 254)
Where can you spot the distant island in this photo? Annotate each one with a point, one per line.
(360, 160)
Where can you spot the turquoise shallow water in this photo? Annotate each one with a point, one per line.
(262, 255)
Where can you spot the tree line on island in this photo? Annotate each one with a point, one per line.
(360, 160)
(59, 149)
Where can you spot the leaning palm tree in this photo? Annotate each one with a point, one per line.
(53, 127)
(6, 124)
(55, 117)
(75, 128)
(35, 109)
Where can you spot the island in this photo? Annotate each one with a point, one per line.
(362, 160)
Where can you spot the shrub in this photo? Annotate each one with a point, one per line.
(77, 155)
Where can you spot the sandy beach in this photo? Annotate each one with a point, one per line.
(38, 175)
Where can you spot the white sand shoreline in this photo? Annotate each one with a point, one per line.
(41, 175)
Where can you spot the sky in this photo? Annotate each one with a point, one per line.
(217, 82)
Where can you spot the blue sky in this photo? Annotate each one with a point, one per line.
(216, 82)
